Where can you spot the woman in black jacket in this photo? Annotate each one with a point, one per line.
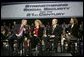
(37, 33)
(73, 28)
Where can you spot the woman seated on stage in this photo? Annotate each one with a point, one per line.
(72, 32)
(73, 27)
(37, 33)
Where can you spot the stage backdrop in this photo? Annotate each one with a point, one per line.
(42, 9)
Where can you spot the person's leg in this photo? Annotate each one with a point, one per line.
(55, 43)
(33, 42)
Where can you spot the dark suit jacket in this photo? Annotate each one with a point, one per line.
(41, 29)
(16, 29)
(57, 31)
(74, 30)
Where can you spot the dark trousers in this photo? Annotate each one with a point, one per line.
(46, 41)
(20, 42)
(11, 39)
(56, 40)
(34, 41)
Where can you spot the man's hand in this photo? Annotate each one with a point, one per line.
(52, 36)
(16, 34)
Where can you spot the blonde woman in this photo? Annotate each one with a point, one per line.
(37, 33)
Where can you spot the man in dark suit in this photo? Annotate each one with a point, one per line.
(55, 32)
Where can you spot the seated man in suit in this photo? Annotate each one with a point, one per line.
(55, 32)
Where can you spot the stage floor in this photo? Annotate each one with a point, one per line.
(5, 52)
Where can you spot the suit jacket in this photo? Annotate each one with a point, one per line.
(73, 30)
(57, 31)
(17, 28)
(41, 29)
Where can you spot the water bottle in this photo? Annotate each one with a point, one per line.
(52, 46)
(36, 48)
(76, 47)
(66, 47)
(59, 48)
